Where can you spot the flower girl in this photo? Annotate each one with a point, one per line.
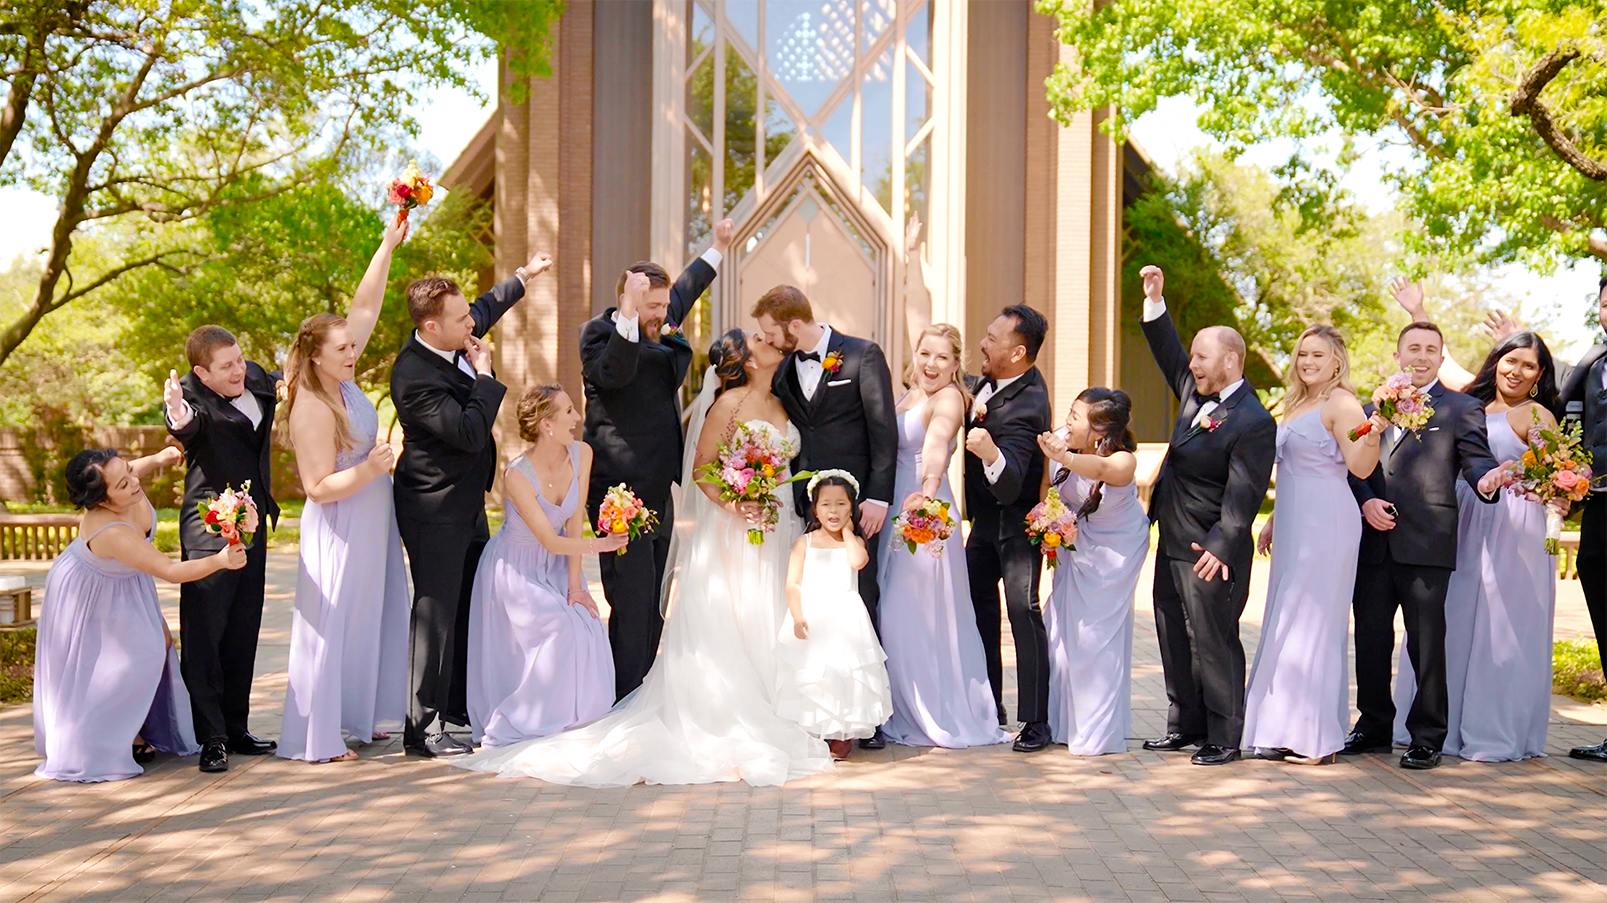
(832, 678)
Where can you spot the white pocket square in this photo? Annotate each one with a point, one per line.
(1433, 429)
(844, 382)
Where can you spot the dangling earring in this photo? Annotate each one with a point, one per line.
(1534, 390)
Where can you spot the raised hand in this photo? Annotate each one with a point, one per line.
(1409, 295)
(1154, 282)
(538, 264)
(395, 233)
(1498, 324)
(912, 234)
(380, 458)
(724, 231)
(173, 394)
(478, 351)
(1052, 446)
(1209, 565)
(635, 293)
(980, 442)
(168, 456)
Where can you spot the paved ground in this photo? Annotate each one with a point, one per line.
(983, 824)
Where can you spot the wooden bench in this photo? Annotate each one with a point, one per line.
(36, 537)
(16, 607)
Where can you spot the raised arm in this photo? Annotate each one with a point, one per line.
(608, 358)
(186, 421)
(167, 457)
(1165, 345)
(1015, 441)
(695, 279)
(1409, 295)
(946, 413)
(370, 294)
(1115, 469)
(128, 547)
(489, 307)
(917, 297)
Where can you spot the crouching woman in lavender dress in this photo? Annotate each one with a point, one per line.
(539, 660)
(107, 691)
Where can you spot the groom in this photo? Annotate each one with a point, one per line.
(839, 391)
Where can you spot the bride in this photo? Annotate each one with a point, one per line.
(705, 711)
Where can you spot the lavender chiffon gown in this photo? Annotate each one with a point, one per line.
(537, 664)
(1299, 690)
(348, 636)
(1499, 608)
(103, 672)
(939, 677)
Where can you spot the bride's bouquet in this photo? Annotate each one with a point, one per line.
(924, 522)
(1401, 403)
(231, 514)
(1554, 466)
(413, 189)
(1052, 526)
(622, 512)
(748, 468)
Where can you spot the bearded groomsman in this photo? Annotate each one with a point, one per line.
(633, 362)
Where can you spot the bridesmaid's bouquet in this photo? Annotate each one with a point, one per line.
(412, 189)
(1401, 403)
(1555, 466)
(622, 512)
(748, 468)
(231, 514)
(1052, 526)
(924, 522)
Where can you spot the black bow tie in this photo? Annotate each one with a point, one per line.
(988, 382)
(1215, 396)
(809, 356)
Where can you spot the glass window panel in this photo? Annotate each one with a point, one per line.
(839, 129)
(917, 99)
(809, 47)
(701, 35)
(744, 17)
(699, 195)
(700, 97)
(779, 130)
(741, 103)
(876, 16)
(876, 129)
(918, 180)
(918, 33)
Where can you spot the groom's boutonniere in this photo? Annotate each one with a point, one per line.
(979, 412)
(669, 329)
(832, 362)
(1212, 422)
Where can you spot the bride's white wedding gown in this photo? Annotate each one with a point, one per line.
(705, 712)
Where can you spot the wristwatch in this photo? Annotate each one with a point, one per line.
(523, 274)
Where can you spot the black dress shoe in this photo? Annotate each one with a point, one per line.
(874, 741)
(1421, 758)
(1173, 742)
(1211, 754)
(247, 745)
(436, 747)
(1268, 753)
(215, 756)
(1357, 743)
(1597, 753)
(1034, 736)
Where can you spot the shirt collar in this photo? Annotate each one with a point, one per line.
(825, 341)
(999, 384)
(1430, 386)
(448, 356)
(1228, 391)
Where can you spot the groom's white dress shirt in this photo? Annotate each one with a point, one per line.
(451, 357)
(810, 371)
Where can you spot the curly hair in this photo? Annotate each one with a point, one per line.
(86, 477)
(729, 356)
(535, 405)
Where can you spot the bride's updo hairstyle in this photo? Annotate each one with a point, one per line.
(729, 357)
(535, 405)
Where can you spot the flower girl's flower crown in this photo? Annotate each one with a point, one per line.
(821, 475)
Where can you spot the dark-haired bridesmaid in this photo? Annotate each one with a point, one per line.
(1090, 612)
(107, 691)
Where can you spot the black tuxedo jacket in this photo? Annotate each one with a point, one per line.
(850, 423)
(222, 449)
(1579, 388)
(1213, 481)
(448, 459)
(1015, 417)
(1417, 474)
(633, 417)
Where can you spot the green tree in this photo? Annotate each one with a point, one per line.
(1501, 103)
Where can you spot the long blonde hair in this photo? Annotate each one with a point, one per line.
(1299, 392)
(951, 333)
(300, 371)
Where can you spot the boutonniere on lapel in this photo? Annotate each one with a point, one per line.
(979, 413)
(832, 362)
(1212, 422)
(668, 329)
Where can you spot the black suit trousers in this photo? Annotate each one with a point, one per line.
(1015, 562)
(220, 617)
(1202, 657)
(1592, 563)
(1419, 592)
(632, 583)
(442, 559)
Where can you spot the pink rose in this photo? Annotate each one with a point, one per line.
(1565, 480)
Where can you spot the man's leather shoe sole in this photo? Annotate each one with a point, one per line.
(1597, 753)
(1214, 755)
(431, 750)
(1357, 746)
(1173, 742)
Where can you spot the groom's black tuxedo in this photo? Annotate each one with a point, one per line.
(1583, 396)
(1410, 566)
(998, 549)
(448, 463)
(221, 615)
(1209, 490)
(633, 425)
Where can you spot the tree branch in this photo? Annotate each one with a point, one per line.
(1526, 102)
(1596, 246)
(74, 294)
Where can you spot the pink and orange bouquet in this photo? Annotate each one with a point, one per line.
(231, 514)
(411, 190)
(622, 512)
(925, 523)
(1554, 467)
(1052, 526)
(749, 468)
(1401, 403)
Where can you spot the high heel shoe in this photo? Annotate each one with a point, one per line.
(144, 753)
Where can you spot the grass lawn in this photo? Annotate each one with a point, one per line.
(16, 665)
(1576, 670)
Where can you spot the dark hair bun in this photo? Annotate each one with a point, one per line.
(728, 356)
(86, 477)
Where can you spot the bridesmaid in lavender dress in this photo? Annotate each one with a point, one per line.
(941, 694)
(1297, 706)
(1501, 599)
(1090, 612)
(348, 636)
(539, 660)
(107, 690)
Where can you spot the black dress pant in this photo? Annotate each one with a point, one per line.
(219, 618)
(632, 583)
(1202, 657)
(869, 590)
(442, 558)
(1419, 592)
(1015, 562)
(1592, 564)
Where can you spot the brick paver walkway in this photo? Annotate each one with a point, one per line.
(903, 824)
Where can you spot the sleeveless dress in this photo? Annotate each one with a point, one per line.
(1299, 689)
(1498, 624)
(537, 664)
(939, 675)
(1089, 619)
(103, 673)
(348, 636)
(834, 684)
(706, 710)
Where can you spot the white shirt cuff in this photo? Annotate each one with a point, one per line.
(713, 257)
(629, 329)
(1154, 309)
(884, 505)
(183, 420)
(995, 470)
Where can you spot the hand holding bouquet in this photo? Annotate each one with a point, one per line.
(1555, 468)
(1401, 403)
(231, 514)
(1051, 526)
(411, 190)
(924, 522)
(622, 512)
(748, 468)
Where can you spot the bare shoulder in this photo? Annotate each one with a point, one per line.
(948, 401)
(309, 412)
(1525, 416)
(1340, 401)
(584, 453)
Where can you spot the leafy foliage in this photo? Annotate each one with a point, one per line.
(1576, 670)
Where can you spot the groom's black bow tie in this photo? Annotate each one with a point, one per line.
(809, 356)
(1214, 396)
(987, 382)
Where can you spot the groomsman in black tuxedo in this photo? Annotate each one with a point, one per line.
(1003, 469)
(633, 361)
(446, 399)
(222, 413)
(1584, 396)
(1218, 464)
(1408, 551)
(839, 391)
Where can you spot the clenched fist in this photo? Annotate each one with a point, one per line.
(979, 442)
(1154, 282)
